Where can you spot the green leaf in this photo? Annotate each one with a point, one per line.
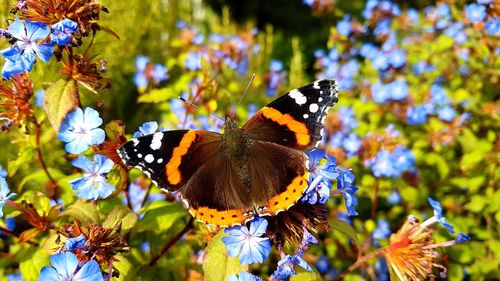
(160, 216)
(126, 269)
(85, 212)
(303, 275)
(60, 98)
(26, 156)
(217, 264)
(114, 130)
(32, 261)
(345, 228)
(120, 216)
(158, 95)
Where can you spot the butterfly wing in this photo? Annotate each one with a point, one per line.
(226, 191)
(295, 119)
(170, 158)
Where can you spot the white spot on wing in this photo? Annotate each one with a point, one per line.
(149, 158)
(313, 107)
(299, 98)
(320, 99)
(135, 141)
(139, 155)
(306, 116)
(316, 84)
(156, 142)
(159, 161)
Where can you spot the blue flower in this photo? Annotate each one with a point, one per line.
(438, 94)
(397, 58)
(438, 215)
(345, 185)
(398, 89)
(323, 264)
(21, 56)
(382, 231)
(249, 243)
(475, 12)
(147, 128)
(4, 194)
(446, 113)
(383, 164)
(244, 276)
(416, 115)
(286, 264)
(492, 26)
(382, 270)
(193, 61)
(80, 130)
(394, 198)
(422, 67)
(93, 184)
(348, 119)
(15, 276)
(461, 238)
(380, 61)
(383, 27)
(275, 66)
(368, 50)
(63, 32)
(352, 144)
(65, 267)
(148, 72)
(72, 244)
(403, 158)
(379, 92)
(3, 172)
(344, 26)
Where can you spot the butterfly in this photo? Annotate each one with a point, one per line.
(256, 170)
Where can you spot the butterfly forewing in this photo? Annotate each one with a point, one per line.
(170, 158)
(295, 119)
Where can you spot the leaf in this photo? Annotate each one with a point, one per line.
(29, 234)
(26, 156)
(85, 212)
(114, 130)
(345, 228)
(126, 268)
(160, 216)
(158, 95)
(306, 276)
(217, 264)
(120, 216)
(32, 261)
(60, 98)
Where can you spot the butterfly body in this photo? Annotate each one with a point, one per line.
(258, 169)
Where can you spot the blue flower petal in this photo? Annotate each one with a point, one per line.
(75, 243)
(89, 272)
(65, 264)
(36, 30)
(48, 273)
(16, 29)
(258, 227)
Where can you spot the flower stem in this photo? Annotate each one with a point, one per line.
(172, 241)
(10, 232)
(361, 261)
(53, 183)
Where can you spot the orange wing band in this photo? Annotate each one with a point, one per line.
(289, 197)
(219, 218)
(172, 168)
(300, 129)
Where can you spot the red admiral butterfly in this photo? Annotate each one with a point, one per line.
(259, 169)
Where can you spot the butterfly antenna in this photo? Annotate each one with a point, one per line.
(242, 95)
(213, 115)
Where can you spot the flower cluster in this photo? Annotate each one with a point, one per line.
(31, 41)
(148, 73)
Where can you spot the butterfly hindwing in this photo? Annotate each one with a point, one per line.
(295, 119)
(225, 191)
(170, 158)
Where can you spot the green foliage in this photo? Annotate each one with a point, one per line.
(217, 264)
